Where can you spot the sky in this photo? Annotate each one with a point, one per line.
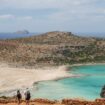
(52, 15)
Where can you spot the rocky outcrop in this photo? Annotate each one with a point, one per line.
(44, 101)
(49, 102)
(79, 102)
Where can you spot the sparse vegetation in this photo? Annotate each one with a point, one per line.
(54, 48)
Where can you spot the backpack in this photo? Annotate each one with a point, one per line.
(102, 94)
(19, 96)
(28, 95)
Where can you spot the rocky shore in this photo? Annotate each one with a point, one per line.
(11, 101)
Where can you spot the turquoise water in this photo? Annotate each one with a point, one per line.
(87, 86)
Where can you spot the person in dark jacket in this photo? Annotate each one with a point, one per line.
(19, 97)
(27, 97)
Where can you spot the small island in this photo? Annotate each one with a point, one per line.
(22, 32)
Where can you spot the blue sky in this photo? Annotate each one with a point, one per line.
(52, 15)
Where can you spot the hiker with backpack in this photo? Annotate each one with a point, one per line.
(19, 97)
(27, 97)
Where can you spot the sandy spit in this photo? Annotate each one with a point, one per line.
(20, 78)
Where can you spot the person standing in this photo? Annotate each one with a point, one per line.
(102, 94)
(27, 96)
(19, 97)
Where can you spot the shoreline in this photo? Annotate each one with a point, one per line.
(52, 73)
(25, 78)
(86, 64)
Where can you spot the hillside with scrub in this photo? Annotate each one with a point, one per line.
(52, 48)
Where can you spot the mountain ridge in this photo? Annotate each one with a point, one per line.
(55, 37)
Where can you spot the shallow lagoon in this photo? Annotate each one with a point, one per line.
(87, 85)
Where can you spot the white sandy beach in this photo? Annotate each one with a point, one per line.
(20, 78)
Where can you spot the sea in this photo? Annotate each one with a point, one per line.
(15, 35)
(87, 85)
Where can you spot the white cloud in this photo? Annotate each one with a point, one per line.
(24, 18)
(10, 16)
(66, 12)
(7, 16)
(66, 8)
(40, 4)
(29, 4)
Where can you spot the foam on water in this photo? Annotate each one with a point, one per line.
(87, 86)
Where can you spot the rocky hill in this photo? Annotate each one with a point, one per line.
(52, 48)
(55, 38)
